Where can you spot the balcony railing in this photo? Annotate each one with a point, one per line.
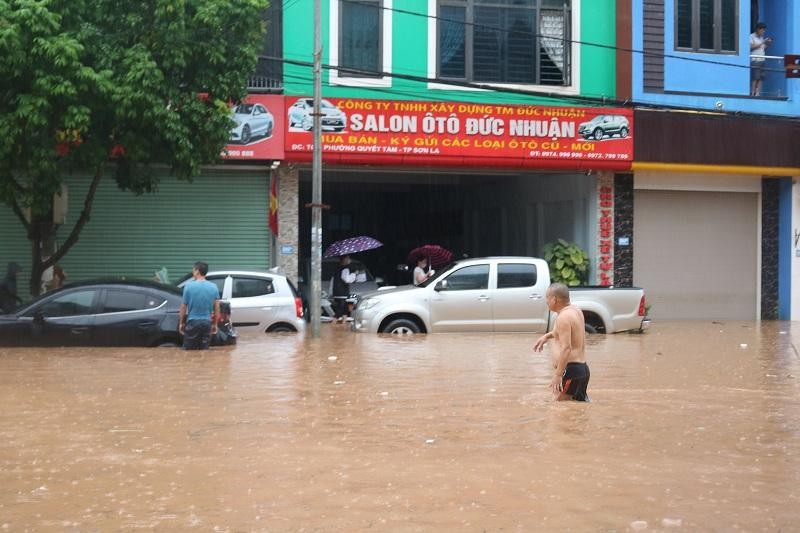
(268, 77)
(773, 83)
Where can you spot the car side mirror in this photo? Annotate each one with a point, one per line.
(379, 280)
(440, 285)
(38, 316)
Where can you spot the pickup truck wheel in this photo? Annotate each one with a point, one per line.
(593, 323)
(401, 326)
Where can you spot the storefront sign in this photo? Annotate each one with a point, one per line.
(362, 131)
(605, 229)
(257, 131)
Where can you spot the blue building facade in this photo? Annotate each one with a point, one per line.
(712, 194)
(677, 68)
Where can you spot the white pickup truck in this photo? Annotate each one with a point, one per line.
(493, 294)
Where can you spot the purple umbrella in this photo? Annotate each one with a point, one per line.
(351, 246)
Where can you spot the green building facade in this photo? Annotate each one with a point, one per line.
(528, 52)
(413, 38)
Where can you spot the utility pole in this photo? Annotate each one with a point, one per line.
(316, 178)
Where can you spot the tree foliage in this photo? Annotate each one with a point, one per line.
(114, 87)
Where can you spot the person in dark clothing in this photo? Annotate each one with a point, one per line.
(8, 289)
(341, 287)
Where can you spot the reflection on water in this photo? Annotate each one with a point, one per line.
(691, 426)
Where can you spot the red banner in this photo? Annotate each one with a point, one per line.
(257, 128)
(359, 131)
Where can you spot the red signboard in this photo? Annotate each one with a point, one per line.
(791, 63)
(359, 131)
(257, 132)
(605, 227)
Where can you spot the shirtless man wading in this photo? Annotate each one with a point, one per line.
(569, 354)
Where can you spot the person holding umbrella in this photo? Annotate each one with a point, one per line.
(341, 288)
(420, 275)
(344, 276)
(431, 255)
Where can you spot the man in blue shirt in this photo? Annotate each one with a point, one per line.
(199, 310)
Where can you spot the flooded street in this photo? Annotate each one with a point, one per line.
(692, 426)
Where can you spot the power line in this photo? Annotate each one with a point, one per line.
(455, 83)
(593, 101)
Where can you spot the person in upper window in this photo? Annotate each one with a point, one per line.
(758, 47)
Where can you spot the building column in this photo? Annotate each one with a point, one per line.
(770, 200)
(623, 230)
(288, 221)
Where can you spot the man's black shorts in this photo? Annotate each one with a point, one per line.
(197, 335)
(575, 381)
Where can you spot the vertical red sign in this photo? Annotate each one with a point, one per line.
(605, 229)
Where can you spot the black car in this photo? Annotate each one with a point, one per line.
(103, 313)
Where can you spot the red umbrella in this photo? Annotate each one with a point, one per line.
(436, 255)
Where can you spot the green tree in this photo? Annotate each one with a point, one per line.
(113, 88)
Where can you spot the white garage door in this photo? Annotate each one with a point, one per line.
(696, 253)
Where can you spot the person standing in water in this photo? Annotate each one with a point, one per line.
(199, 310)
(341, 288)
(571, 373)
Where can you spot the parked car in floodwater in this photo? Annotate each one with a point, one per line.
(97, 313)
(493, 294)
(260, 301)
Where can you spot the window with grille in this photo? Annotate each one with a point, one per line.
(505, 41)
(708, 26)
(360, 37)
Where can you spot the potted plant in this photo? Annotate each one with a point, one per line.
(568, 262)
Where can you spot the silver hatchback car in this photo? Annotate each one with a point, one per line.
(260, 301)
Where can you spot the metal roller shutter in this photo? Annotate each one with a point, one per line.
(696, 253)
(220, 218)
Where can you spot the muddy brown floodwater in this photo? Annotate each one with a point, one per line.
(692, 426)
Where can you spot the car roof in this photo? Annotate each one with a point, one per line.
(264, 273)
(510, 258)
(118, 282)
